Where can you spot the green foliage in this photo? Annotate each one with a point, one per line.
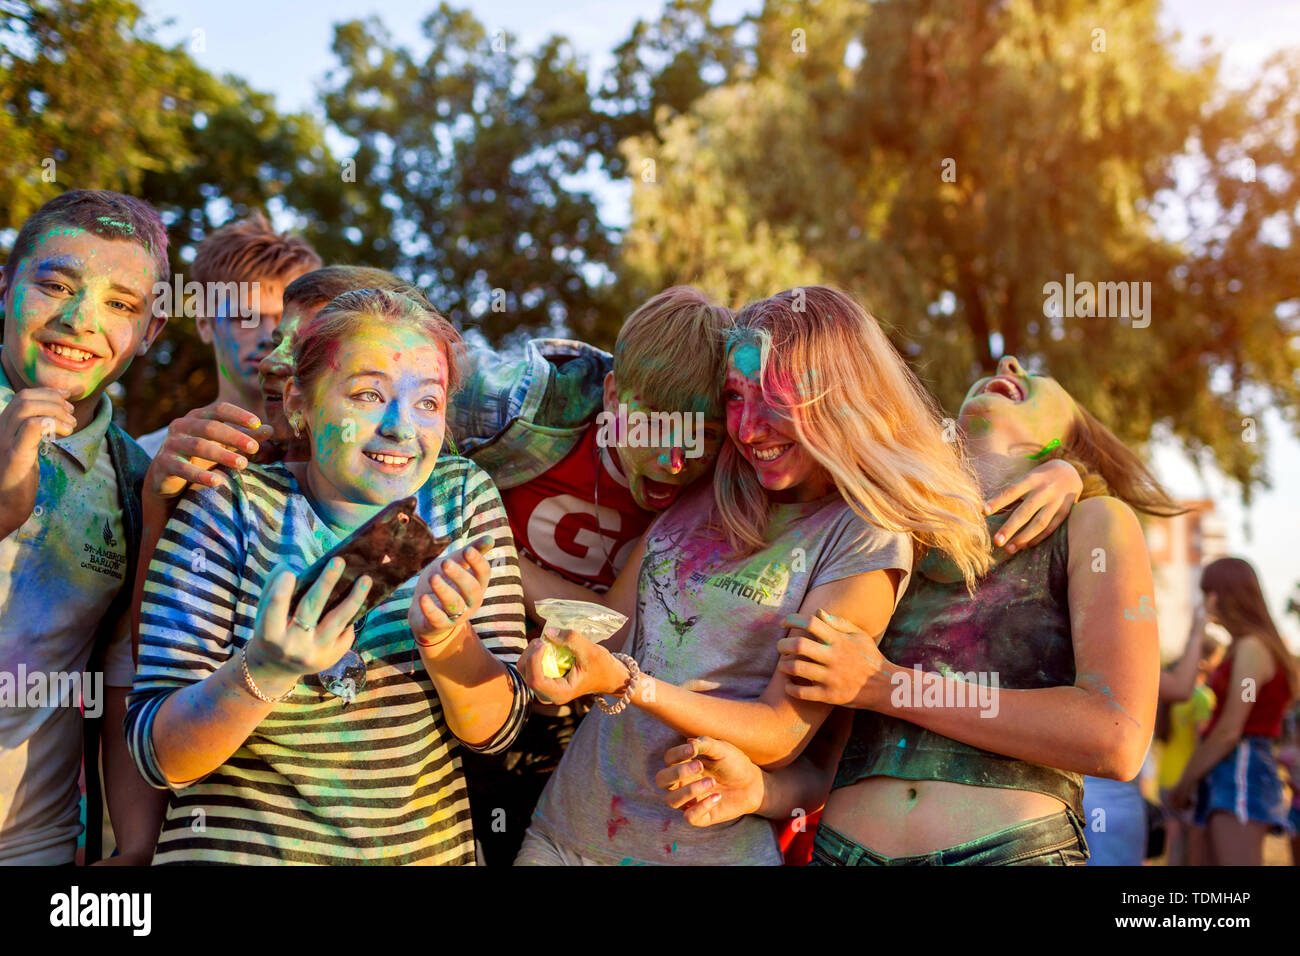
(475, 144)
(942, 160)
(1063, 158)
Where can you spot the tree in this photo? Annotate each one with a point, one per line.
(947, 160)
(92, 100)
(475, 145)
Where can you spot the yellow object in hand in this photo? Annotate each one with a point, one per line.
(556, 660)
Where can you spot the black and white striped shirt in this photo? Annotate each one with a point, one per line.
(378, 781)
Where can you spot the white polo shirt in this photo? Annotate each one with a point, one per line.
(58, 574)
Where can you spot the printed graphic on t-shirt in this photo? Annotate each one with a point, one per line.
(688, 578)
(567, 522)
(105, 560)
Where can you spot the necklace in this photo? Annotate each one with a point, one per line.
(346, 676)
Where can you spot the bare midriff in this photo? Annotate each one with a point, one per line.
(897, 817)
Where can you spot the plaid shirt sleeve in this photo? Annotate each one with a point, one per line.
(517, 415)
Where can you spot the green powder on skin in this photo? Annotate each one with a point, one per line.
(117, 224)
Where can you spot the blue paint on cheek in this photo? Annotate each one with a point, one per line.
(748, 360)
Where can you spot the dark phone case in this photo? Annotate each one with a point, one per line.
(392, 547)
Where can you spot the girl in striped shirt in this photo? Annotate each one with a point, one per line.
(227, 712)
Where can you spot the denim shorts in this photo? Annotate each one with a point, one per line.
(1055, 840)
(1246, 784)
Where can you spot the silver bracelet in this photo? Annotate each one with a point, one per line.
(252, 685)
(633, 672)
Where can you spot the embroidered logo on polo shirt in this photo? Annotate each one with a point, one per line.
(103, 560)
(108, 535)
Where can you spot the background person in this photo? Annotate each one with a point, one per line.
(1232, 776)
(243, 268)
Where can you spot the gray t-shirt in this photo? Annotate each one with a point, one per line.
(707, 623)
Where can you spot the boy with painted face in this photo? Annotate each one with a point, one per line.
(242, 270)
(586, 448)
(78, 299)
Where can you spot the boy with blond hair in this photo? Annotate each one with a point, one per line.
(587, 448)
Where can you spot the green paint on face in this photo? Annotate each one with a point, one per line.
(1046, 450)
(978, 426)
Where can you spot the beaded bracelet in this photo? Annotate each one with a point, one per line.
(252, 685)
(633, 672)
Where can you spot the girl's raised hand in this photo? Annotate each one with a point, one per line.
(449, 593)
(1046, 496)
(838, 664)
(595, 670)
(291, 641)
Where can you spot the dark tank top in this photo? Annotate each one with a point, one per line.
(1017, 627)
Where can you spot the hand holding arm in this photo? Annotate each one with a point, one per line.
(1048, 493)
(712, 781)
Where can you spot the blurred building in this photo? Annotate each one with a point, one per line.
(1179, 547)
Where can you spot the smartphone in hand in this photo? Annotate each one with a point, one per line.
(392, 547)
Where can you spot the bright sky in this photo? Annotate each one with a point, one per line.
(284, 48)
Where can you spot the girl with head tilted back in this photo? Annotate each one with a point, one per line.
(1232, 778)
(977, 716)
(835, 465)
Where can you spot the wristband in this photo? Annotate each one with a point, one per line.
(633, 672)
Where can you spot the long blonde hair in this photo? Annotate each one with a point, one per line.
(861, 413)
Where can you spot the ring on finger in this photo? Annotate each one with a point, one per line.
(297, 622)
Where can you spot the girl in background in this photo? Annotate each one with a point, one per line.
(1188, 704)
(1288, 755)
(1232, 778)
